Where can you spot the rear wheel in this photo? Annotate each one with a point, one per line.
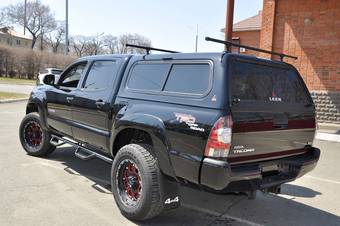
(34, 139)
(135, 180)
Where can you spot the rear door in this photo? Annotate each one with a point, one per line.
(92, 103)
(273, 114)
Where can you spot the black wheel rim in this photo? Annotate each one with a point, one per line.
(33, 135)
(129, 183)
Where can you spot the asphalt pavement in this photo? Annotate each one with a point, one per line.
(64, 190)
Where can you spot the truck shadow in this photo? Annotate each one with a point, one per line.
(203, 208)
(299, 191)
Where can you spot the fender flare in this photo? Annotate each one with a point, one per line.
(155, 128)
(40, 103)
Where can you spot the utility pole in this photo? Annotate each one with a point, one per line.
(229, 23)
(25, 19)
(66, 30)
(41, 36)
(196, 39)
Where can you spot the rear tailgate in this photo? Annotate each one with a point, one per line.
(273, 113)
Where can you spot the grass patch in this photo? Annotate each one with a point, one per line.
(7, 95)
(17, 81)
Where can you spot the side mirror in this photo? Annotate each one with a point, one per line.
(49, 80)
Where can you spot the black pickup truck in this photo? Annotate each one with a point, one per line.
(222, 122)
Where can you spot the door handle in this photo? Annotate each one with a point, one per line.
(69, 99)
(123, 103)
(282, 126)
(235, 101)
(100, 103)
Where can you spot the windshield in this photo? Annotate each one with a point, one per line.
(56, 72)
(259, 82)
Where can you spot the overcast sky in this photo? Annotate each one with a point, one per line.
(170, 24)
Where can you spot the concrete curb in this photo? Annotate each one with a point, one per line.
(13, 100)
(329, 128)
(320, 135)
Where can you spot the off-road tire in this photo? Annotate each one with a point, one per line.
(149, 202)
(45, 147)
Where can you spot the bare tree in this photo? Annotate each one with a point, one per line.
(135, 39)
(110, 44)
(78, 44)
(99, 44)
(2, 18)
(40, 19)
(94, 45)
(55, 38)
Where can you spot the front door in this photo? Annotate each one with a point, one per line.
(60, 98)
(92, 104)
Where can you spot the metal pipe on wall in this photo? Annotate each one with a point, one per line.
(229, 22)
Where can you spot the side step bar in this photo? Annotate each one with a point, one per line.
(81, 152)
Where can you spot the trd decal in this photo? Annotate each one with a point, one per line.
(189, 120)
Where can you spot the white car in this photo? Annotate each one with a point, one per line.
(49, 71)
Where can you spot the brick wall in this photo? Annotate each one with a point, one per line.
(251, 38)
(310, 30)
(327, 106)
(268, 22)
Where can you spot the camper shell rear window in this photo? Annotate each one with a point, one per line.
(251, 81)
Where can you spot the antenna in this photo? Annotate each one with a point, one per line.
(148, 49)
(229, 44)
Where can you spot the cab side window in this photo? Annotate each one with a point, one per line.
(71, 77)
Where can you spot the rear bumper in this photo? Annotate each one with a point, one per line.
(221, 176)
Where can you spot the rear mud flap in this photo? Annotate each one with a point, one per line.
(170, 194)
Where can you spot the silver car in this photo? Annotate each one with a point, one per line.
(48, 71)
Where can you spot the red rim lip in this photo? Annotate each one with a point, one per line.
(33, 134)
(131, 181)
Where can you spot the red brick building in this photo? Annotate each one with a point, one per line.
(248, 32)
(310, 30)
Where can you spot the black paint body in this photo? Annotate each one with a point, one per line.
(76, 113)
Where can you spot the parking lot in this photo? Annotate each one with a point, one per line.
(63, 190)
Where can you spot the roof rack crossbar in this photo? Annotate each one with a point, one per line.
(228, 43)
(148, 49)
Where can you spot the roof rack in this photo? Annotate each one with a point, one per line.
(228, 44)
(148, 49)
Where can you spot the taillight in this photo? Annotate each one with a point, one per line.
(219, 141)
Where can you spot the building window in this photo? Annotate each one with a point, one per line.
(18, 42)
(235, 49)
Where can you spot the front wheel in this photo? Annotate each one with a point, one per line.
(135, 180)
(34, 139)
